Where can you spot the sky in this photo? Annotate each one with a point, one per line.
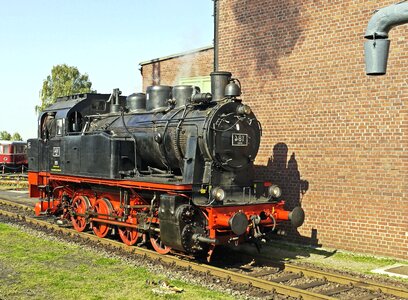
(105, 39)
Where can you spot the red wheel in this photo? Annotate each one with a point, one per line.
(158, 244)
(103, 208)
(80, 205)
(129, 236)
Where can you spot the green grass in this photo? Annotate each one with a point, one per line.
(365, 259)
(31, 268)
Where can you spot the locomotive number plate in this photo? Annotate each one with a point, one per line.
(56, 151)
(239, 139)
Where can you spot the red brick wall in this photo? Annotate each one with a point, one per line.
(167, 72)
(324, 121)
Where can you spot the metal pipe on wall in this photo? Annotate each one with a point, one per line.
(377, 46)
(216, 22)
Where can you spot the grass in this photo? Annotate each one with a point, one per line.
(365, 259)
(31, 268)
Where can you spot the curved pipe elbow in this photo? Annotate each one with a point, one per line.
(385, 19)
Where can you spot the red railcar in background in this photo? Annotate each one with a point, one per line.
(13, 155)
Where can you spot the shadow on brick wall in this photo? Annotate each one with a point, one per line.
(268, 30)
(283, 170)
(285, 173)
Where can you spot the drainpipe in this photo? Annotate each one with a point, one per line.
(377, 46)
(216, 21)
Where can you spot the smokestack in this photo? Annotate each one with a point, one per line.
(377, 46)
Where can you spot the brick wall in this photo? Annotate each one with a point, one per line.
(167, 71)
(328, 130)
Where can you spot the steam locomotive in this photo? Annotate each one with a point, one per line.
(173, 167)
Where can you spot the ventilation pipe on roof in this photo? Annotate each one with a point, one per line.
(377, 46)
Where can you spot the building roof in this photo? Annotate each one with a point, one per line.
(175, 55)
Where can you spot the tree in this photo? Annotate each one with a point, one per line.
(16, 137)
(5, 136)
(63, 81)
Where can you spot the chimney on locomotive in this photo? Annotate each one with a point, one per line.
(223, 86)
(219, 81)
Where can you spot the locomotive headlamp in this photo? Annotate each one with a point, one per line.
(244, 110)
(218, 193)
(274, 191)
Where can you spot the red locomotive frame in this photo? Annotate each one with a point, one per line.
(103, 211)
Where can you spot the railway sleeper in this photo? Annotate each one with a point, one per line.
(287, 277)
(369, 297)
(265, 273)
(310, 285)
(337, 290)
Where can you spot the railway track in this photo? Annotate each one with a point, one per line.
(271, 281)
(14, 176)
(20, 179)
(330, 284)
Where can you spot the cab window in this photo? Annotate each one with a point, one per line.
(59, 126)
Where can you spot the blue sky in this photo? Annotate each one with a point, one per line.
(105, 39)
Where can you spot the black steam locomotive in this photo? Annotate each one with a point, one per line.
(173, 165)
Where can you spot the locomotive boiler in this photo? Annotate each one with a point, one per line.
(173, 166)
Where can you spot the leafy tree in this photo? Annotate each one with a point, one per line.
(16, 137)
(64, 80)
(4, 135)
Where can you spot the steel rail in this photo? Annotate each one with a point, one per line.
(206, 269)
(347, 280)
(13, 181)
(16, 205)
(11, 176)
